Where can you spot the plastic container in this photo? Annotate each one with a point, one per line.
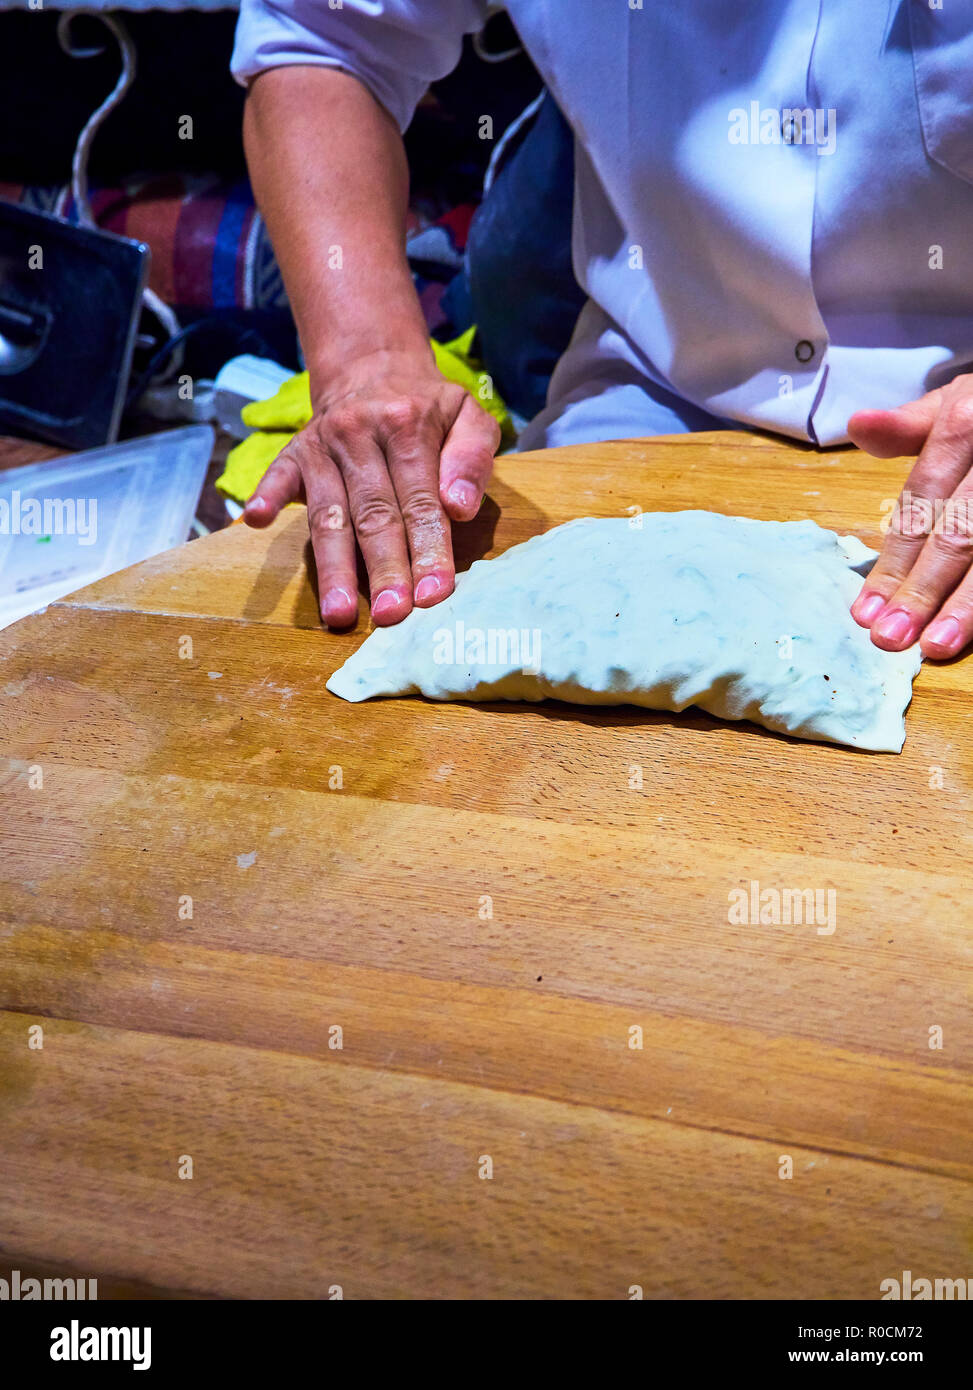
(70, 521)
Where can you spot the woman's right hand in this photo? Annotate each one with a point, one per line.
(393, 454)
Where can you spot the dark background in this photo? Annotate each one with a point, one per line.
(183, 69)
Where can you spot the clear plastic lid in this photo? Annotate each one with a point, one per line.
(72, 520)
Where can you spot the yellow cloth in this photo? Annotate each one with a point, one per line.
(275, 421)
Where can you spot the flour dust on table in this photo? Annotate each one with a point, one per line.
(744, 619)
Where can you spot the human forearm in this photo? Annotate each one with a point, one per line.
(329, 172)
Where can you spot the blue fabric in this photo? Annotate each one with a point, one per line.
(523, 294)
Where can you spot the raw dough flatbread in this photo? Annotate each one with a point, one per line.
(746, 619)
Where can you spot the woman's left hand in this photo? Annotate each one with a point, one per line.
(921, 586)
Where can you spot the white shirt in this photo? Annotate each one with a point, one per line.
(721, 239)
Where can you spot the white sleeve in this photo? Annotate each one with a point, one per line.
(395, 47)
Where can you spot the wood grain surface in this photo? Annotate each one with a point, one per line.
(343, 862)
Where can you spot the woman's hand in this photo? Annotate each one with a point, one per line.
(921, 586)
(393, 453)
(394, 450)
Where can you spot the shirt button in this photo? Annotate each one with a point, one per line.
(804, 351)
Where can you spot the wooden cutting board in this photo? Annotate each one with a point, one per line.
(458, 1011)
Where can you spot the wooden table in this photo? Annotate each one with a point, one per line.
(469, 1040)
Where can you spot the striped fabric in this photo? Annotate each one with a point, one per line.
(210, 248)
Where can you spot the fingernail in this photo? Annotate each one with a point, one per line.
(386, 601)
(428, 588)
(337, 606)
(255, 504)
(463, 494)
(944, 632)
(896, 626)
(870, 607)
